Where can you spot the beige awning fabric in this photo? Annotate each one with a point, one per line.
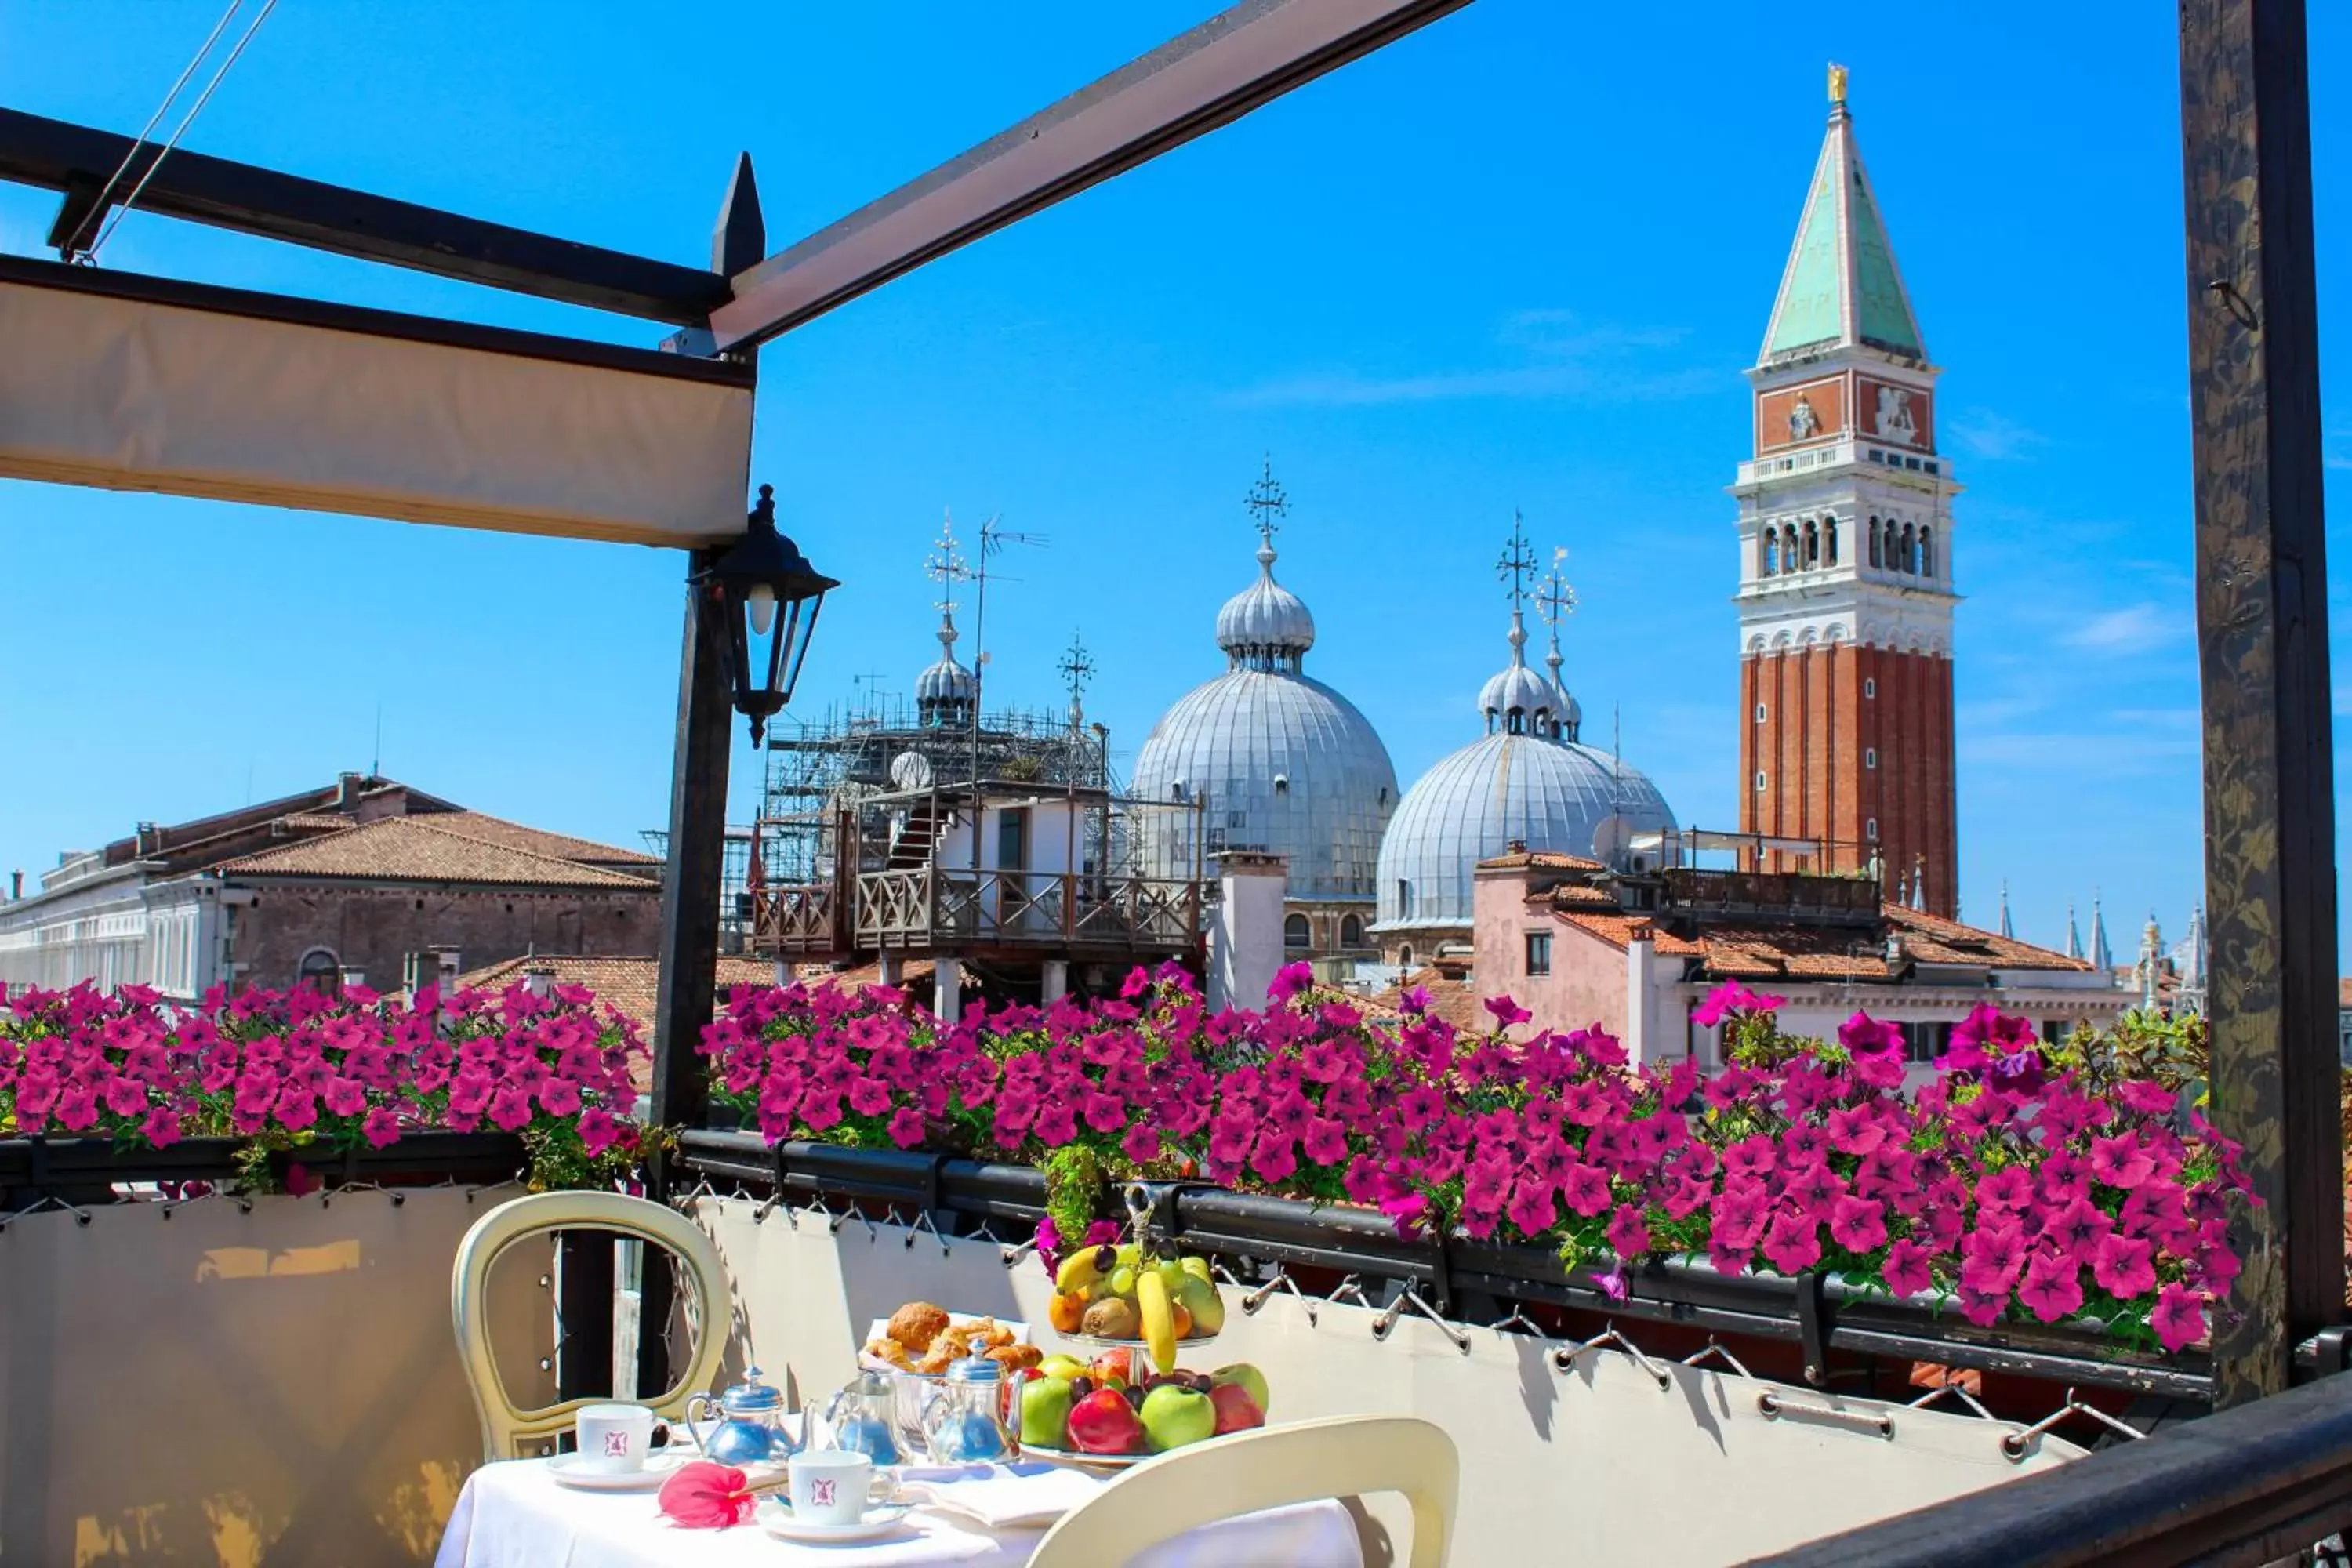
(138, 383)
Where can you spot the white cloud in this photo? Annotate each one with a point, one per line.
(2135, 629)
(1561, 356)
(1993, 437)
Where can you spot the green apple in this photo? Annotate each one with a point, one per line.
(1174, 1415)
(1248, 1377)
(1046, 1412)
(1065, 1367)
(1197, 1266)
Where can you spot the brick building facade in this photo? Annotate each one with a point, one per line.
(1845, 574)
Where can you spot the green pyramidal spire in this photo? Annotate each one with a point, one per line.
(1842, 288)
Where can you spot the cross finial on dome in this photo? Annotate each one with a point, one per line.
(1077, 669)
(1519, 562)
(1555, 602)
(946, 565)
(1268, 505)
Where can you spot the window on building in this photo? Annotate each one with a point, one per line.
(1759, 712)
(1812, 544)
(1873, 531)
(1926, 550)
(1760, 780)
(1870, 756)
(1351, 932)
(1869, 686)
(1538, 952)
(1870, 830)
(1910, 550)
(1771, 558)
(1404, 956)
(1404, 897)
(1829, 539)
(1294, 932)
(1925, 1042)
(320, 972)
(1281, 783)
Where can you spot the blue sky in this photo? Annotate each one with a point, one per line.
(1518, 260)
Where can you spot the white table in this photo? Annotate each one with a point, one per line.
(514, 1514)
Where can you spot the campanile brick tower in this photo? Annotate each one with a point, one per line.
(1846, 559)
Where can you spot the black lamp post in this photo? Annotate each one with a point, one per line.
(772, 597)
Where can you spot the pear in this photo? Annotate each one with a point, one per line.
(1206, 1306)
(1062, 1366)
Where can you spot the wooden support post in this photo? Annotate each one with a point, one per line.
(2262, 622)
(687, 991)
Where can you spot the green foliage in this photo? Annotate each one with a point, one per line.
(1077, 1194)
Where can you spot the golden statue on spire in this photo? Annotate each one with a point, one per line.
(1837, 82)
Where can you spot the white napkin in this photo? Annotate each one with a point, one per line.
(1024, 1494)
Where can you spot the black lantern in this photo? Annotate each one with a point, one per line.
(772, 598)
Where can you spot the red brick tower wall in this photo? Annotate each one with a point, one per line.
(1827, 707)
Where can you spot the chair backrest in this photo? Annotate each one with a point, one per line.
(1344, 1456)
(507, 1430)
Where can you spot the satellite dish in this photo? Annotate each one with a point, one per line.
(1610, 837)
(910, 770)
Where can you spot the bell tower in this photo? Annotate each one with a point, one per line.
(1845, 558)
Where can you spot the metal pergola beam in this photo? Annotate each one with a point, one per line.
(1234, 62)
(2262, 622)
(78, 160)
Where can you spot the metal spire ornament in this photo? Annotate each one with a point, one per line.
(1078, 667)
(1268, 503)
(1555, 602)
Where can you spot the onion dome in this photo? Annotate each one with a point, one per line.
(1523, 782)
(1276, 762)
(1265, 626)
(945, 692)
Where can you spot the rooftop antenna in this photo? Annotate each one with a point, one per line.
(994, 538)
(375, 760)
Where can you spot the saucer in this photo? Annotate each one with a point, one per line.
(776, 1519)
(564, 1468)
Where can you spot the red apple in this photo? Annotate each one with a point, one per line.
(1115, 1368)
(1105, 1423)
(1237, 1411)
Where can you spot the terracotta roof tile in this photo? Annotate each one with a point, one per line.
(1767, 948)
(538, 841)
(1540, 860)
(1450, 999)
(413, 849)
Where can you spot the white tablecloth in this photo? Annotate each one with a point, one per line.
(514, 1514)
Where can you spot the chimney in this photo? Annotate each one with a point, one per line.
(146, 839)
(1245, 946)
(347, 791)
(16, 886)
(446, 958)
(539, 979)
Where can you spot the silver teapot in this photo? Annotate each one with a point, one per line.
(749, 1425)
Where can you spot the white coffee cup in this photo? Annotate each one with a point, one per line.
(614, 1438)
(829, 1486)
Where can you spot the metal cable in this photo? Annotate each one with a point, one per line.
(115, 220)
(66, 248)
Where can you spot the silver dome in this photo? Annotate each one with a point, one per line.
(1277, 761)
(1265, 626)
(945, 691)
(1545, 793)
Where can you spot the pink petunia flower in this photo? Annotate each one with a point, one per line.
(382, 1127)
(1628, 1235)
(1793, 1243)
(1142, 1143)
(598, 1132)
(2121, 1162)
(2178, 1319)
(1905, 1271)
(2052, 1288)
(1858, 1224)
(161, 1127)
(2124, 1266)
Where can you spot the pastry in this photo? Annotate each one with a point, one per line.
(917, 1324)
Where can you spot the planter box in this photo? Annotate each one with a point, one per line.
(1463, 1279)
(83, 1170)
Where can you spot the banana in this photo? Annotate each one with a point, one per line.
(1080, 1270)
(1158, 1322)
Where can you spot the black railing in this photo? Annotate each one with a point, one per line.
(85, 1169)
(1817, 1317)
(2255, 1485)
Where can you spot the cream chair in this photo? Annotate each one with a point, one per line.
(506, 1430)
(1344, 1456)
